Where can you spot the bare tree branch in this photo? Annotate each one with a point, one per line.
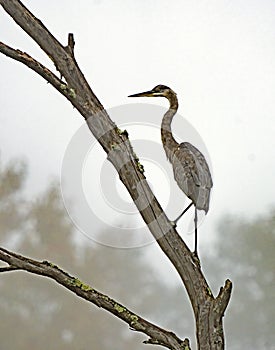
(37, 67)
(207, 309)
(156, 334)
(9, 268)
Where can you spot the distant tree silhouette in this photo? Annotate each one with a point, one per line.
(50, 318)
(245, 251)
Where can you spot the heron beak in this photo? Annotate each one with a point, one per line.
(143, 94)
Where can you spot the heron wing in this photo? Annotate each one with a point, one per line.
(202, 175)
(192, 174)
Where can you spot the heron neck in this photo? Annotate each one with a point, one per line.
(167, 138)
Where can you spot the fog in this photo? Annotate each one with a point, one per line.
(218, 56)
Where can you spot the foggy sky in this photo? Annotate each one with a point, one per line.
(217, 55)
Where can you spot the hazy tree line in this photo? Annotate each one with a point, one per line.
(37, 313)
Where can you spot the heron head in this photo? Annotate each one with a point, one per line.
(157, 91)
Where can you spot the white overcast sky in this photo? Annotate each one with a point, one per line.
(219, 56)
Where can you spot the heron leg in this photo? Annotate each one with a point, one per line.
(196, 232)
(185, 210)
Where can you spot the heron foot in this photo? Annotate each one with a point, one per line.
(173, 223)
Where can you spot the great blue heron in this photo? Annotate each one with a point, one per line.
(191, 170)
